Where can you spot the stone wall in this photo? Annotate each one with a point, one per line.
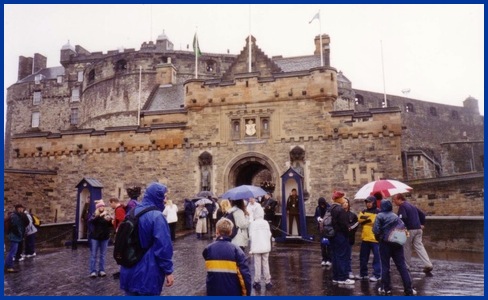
(36, 190)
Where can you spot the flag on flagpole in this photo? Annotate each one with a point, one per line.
(317, 16)
(196, 46)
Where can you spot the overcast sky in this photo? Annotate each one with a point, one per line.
(435, 51)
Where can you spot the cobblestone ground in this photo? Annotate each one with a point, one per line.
(295, 271)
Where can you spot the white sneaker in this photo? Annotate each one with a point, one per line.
(352, 276)
(347, 281)
(31, 255)
(102, 274)
(323, 263)
(328, 264)
(93, 274)
(335, 281)
(373, 279)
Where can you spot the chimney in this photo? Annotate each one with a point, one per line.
(39, 63)
(325, 48)
(25, 67)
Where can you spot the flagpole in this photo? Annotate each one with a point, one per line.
(139, 103)
(321, 46)
(249, 68)
(383, 69)
(195, 49)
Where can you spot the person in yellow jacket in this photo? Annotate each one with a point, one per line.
(368, 242)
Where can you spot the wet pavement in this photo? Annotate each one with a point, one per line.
(295, 270)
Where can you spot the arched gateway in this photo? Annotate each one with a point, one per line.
(251, 168)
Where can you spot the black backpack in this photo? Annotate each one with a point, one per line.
(127, 247)
(327, 230)
(230, 216)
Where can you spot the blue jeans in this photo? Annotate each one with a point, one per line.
(393, 251)
(340, 256)
(364, 252)
(9, 261)
(95, 246)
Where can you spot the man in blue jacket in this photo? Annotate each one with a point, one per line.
(227, 267)
(414, 220)
(147, 277)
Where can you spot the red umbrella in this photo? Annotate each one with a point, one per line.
(388, 187)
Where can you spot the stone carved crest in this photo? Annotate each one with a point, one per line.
(250, 128)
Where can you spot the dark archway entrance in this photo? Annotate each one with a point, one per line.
(251, 168)
(253, 173)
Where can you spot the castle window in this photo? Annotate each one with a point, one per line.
(60, 79)
(80, 76)
(264, 127)
(236, 129)
(359, 100)
(210, 66)
(35, 119)
(433, 111)
(74, 116)
(409, 108)
(454, 115)
(38, 79)
(75, 94)
(121, 65)
(385, 103)
(91, 76)
(37, 98)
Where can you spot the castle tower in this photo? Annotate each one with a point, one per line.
(163, 43)
(67, 51)
(472, 104)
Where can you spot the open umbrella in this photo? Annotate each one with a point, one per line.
(205, 194)
(203, 201)
(244, 192)
(388, 187)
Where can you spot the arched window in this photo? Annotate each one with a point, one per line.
(121, 65)
(210, 66)
(236, 129)
(433, 111)
(409, 108)
(454, 115)
(359, 100)
(91, 76)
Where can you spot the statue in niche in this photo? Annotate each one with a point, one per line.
(298, 168)
(206, 178)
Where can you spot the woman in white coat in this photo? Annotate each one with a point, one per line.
(260, 237)
(170, 212)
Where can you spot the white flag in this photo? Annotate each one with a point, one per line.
(317, 16)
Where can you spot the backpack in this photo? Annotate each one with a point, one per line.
(35, 220)
(327, 229)
(230, 216)
(127, 247)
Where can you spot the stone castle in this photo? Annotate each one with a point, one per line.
(135, 116)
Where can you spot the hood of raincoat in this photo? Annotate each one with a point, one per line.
(322, 201)
(386, 205)
(155, 195)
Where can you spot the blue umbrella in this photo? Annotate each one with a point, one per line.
(243, 192)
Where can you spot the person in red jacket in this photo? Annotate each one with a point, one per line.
(119, 212)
